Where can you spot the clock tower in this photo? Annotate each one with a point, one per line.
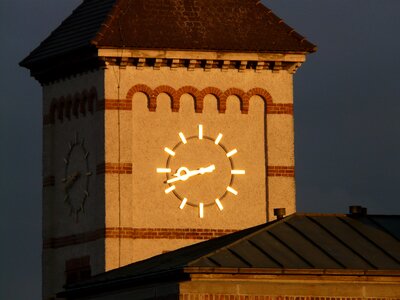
(164, 123)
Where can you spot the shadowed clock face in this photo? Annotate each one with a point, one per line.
(76, 177)
(200, 171)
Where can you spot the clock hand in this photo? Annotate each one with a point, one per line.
(189, 173)
(70, 180)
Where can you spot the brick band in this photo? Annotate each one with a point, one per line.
(280, 171)
(135, 233)
(166, 233)
(114, 168)
(211, 296)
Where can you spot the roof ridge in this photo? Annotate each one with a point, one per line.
(290, 30)
(105, 25)
(271, 224)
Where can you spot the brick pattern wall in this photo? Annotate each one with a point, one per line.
(114, 168)
(135, 233)
(280, 171)
(206, 296)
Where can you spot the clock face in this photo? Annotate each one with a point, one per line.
(76, 177)
(200, 171)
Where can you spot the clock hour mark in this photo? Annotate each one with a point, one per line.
(182, 138)
(170, 189)
(200, 132)
(184, 201)
(169, 151)
(219, 137)
(163, 170)
(238, 172)
(219, 204)
(232, 190)
(231, 153)
(201, 210)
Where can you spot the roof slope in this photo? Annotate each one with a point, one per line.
(223, 25)
(300, 241)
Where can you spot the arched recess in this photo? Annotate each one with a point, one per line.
(61, 106)
(53, 111)
(92, 99)
(244, 101)
(68, 107)
(262, 93)
(170, 91)
(184, 90)
(75, 104)
(84, 102)
(216, 92)
(142, 88)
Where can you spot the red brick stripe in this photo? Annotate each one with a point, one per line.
(280, 171)
(281, 108)
(114, 104)
(166, 233)
(211, 296)
(114, 168)
(75, 239)
(135, 233)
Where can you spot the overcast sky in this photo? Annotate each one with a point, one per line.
(347, 125)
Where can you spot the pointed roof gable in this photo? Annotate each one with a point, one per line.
(308, 243)
(208, 25)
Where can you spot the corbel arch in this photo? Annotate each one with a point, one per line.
(142, 88)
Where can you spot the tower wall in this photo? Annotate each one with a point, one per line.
(73, 227)
(145, 109)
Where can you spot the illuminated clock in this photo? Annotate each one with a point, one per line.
(200, 171)
(76, 177)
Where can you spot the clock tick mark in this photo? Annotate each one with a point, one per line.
(218, 139)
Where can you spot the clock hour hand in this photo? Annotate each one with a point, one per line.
(69, 181)
(188, 173)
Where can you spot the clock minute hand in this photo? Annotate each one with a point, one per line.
(189, 173)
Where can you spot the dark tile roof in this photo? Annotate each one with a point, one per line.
(223, 25)
(298, 242)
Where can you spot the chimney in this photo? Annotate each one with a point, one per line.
(357, 210)
(279, 213)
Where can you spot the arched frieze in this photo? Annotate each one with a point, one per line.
(64, 107)
(198, 95)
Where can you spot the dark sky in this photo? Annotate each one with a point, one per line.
(347, 125)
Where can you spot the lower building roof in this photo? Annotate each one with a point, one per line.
(299, 242)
